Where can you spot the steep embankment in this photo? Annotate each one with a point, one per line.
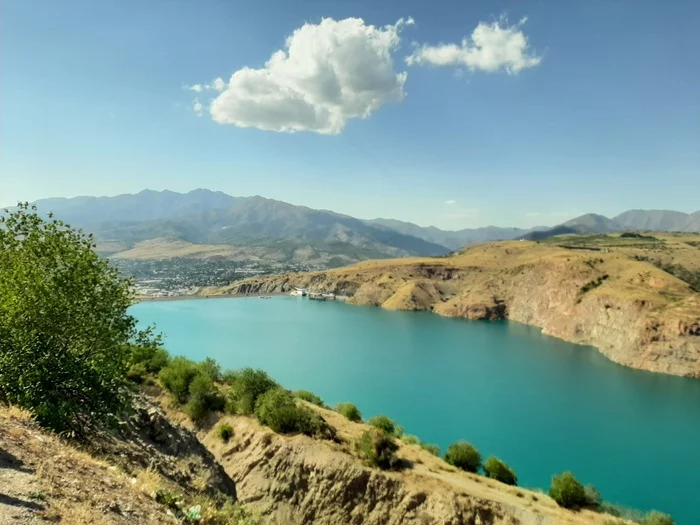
(279, 479)
(298, 479)
(135, 474)
(611, 294)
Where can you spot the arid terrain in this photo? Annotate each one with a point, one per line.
(130, 477)
(634, 297)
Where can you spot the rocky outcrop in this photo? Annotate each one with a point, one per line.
(147, 439)
(633, 312)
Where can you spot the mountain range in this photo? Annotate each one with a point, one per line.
(632, 220)
(204, 217)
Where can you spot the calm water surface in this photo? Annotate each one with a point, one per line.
(541, 404)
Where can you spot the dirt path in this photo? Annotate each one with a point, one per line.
(21, 497)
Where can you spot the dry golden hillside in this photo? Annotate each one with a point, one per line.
(634, 298)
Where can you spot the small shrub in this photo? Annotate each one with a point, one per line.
(211, 369)
(278, 409)
(204, 397)
(386, 424)
(177, 376)
(657, 518)
(496, 469)
(464, 456)
(350, 411)
(152, 357)
(310, 397)
(225, 432)
(433, 449)
(377, 449)
(247, 385)
(137, 372)
(567, 491)
(167, 498)
(410, 439)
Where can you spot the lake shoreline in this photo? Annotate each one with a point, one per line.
(147, 299)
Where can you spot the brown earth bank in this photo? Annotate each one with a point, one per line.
(115, 477)
(633, 299)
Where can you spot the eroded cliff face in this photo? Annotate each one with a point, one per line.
(294, 480)
(633, 312)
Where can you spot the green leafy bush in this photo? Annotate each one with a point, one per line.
(247, 385)
(310, 397)
(177, 377)
(153, 357)
(567, 491)
(410, 439)
(65, 333)
(464, 456)
(137, 372)
(278, 409)
(433, 449)
(350, 411)
(225, 432)
(211, 369)
(496, 469)
(377, 449)
(204, 397)
(657, 518)
(386, 424)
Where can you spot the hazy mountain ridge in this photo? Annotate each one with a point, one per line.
(632, 220)
(454, 239)
(214, 218)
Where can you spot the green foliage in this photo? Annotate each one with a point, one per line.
(410, 439)
(310, 397)
(567, 491)
(167, 498)
(229, 513)
(464, 456)
(177, 377)
(657, 518)
(211, 369)
(387, 425)
(65, 333)
(137, 372)
(350, 411)
(430, 447)
(377, 449)
(278, 409)
(247, 385)
(204, 397)
(225, 432)
(496, 469)
(192, 386)
(153, 357)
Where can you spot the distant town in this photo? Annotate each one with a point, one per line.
(180, 276)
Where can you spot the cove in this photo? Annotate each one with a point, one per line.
(541, 404)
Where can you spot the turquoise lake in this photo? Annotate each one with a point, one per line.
(540, 404)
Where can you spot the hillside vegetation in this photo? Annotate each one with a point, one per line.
(633, 296)
(99, 425)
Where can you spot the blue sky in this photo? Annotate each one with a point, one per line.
(582, 107)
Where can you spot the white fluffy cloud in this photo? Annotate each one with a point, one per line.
(197, 107)
(491, 47)
(451, 202)
(327, 73)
